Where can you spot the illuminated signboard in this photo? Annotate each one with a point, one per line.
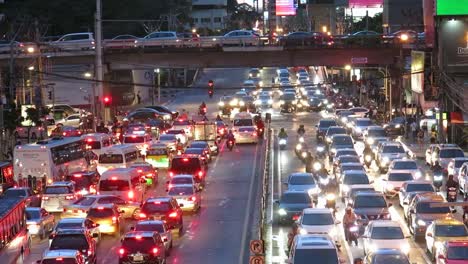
(365, 3)
(285, 8)
(451, 7)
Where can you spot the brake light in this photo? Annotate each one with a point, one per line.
(171, 174)
(133, 136)
(254, 134)
(193, 198)
(155, 251)
(64, 210)
(200, 173)
(69, 197)
(131, 195)
(59, 259)
(90, 252)
(140, 171)
(89, 140)
(100, 208)
(45, 197)
(121, 251)
(142, 215)
(114, 220)
(173, 215)
(77, 175)
(138, 237)
(185, 159)
(163, 238)
(114, 178)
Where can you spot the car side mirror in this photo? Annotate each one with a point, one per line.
(429, 234)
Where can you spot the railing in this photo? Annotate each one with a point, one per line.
(265, 183)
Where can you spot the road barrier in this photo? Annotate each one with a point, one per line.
(265, 183)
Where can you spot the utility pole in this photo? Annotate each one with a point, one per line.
(99, 74)
(40, 99)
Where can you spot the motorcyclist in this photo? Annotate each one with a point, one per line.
(349, 218)
(309, 162)
(368, 152)
(230, 136)
(218, 118)
(179, 146)
(437, 169)
(301, 130)
(282, 133)
(292, 234)
(202, 108)
(451, 183)
(260, 126)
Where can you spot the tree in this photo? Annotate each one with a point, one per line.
(243, 16)
(297, 22)
(375, 24)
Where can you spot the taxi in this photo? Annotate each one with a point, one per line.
(108, 217)
(453, 252)
(158, 155)
(444, 230)
(187, 196)
(147, 172)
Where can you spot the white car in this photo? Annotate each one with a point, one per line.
(186, 125)
(241, 38)
(319, 221)
(246, 134)
(393, 181)
(454, 166)
(75, 41)
(71, 120)
(359, 126)
(159, 39)
(406, 165)
(58, 195)
(410, 187)
(463, 177)
(385, 234)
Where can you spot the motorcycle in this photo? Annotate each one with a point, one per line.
(210, 93)
(282, 143)
(452, 194)
(230, 144)
(353, 233)
(438, 181)
(202, 111)
(321, 151)
(331, 202)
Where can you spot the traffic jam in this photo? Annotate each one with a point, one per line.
(135, 181)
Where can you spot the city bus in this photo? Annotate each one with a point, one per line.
(6, 176)
(49, 160)
(14, 237)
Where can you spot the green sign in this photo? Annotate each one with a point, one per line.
(451, 7)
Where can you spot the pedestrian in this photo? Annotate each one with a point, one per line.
(138, 97)
(420, 138)
(414, 129)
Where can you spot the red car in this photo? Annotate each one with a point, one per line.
(453, 252)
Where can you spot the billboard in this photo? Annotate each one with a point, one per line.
(365, 3)
(429, 31)
(453, 39)
(451, 7)
(285, 8)
(417, 71)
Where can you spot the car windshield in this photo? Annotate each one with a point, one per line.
(457, 253)
(167, 137)
(451, 153)
(450, 231)
(81, 181)
(393, 149)
(387, 232)
(419, 188)
(288, 97)
(85, 201)
(155, 207)
(301, 180)
(367, 201)
(61, 260)
(349, 159)
(338, 130)
(351, 179)
(69, 225)
(134, 139)
(181, 180)
(114, 185)
(100, 212)
(376, 133)
(110, 158)
(340, 153)
(264, 97)
(150, 227)
(322, 256)
(351, 167)
(425, 208)
(243, 122)
(198, 145)
(181, 190)
(295, 198)
(400, 177)
(175, 132)
(365, 122)
(327, 123)
(33, 214)
(345, 140)
(143, 244)
(185, 165)
(76, 242)
(181, 123)
(197, 151)
(14, 193)
(393, 259)
(405, 165)
(318, 219)
(57, 190)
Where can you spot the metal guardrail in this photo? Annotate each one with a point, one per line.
(265, 182)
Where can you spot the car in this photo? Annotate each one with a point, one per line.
(80, 207)
(393, 181)
(344, 159)
(57, 195)
(348, 166)
(189, 39)
(301, 38)
(75, 239)
(163, 208)
(342, 117)
(120, 42)
(334, 130)
(345, 152)
(385, 256)
(385, 234)
(74, 41)
(170, 140)
(452, 252)
(23, 192)
(156, 226)
(147, 171)
(373, 132)
(406, 165)
(85, 181)
(180, 134)
(319, 221)
(159, 39)
(454, 166)
(189, 164)
(290, 205)
(401, 36)
(246, 135)
(433, 148)
(410, 187)
(264, 101)
(339, 141)
(360, 112)
(68, 131)
(396, 126)
(200, 152)
(288, 102)
(187, 196)
(358, 126)
(203, 145)
(421, 214)
(254, 72)
(186, 125)
(143, 114)
(370, 206)
(39, 221)
(67, 223)
(463, 178)
(71, 120)
(300, 181)
(142, 247)
(109, 218)
(387, 152)
(355, 189)
(323, 126)
(444, 155)
(240, 38)
(351, 178)
(317, 247)
(60, 256)
(443, 230)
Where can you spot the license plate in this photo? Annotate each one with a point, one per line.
(138, 258)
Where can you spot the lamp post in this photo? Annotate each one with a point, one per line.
(92, 102)
(157, 71)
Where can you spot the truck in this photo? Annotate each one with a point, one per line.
(207, 131)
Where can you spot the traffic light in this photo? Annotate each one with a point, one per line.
(49, 95)
(107, 101)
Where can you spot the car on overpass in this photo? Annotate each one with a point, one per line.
(302, 38)
(120, 42)
(241, 38)
(74, 41)
(159, 39)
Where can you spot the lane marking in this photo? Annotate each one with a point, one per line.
(247, 212)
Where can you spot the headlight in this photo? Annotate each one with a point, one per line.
(301, 139)
(260, 83)
(385, 160)
(344, 119)
(241, 103)
(373, 247)
(331, 196)
(437, 177)
(298, 147)
(294, 102)
(405, 248)
(417, 175)
(324, 181)
(318, 92)
(33, 228)
(358, 129)
(325, 101)
(302, 231)
(317, 166)
(397, 126)
(270, 101)
(329, 106)
(282, 141)
(281, 102)
(349, 125)
(257, 102)
(304, 155)
(333, 150)
(233, 102)
(250, 75)
(328, 140)
(281, 211)
(320, 149)
(368, 158)
(166, 117)
(221, 103)
(370, 141)
(420, 222)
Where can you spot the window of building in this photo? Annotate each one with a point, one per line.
(217, 20)
(206, 20)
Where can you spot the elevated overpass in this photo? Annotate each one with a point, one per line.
(225, 57)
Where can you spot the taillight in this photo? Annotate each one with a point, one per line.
(69, 197)
(173, 215)
(131, 195)
(142, 215)
(121, 251)
(171, 174)
(45, 197)
(193, 198)
(90, 252)
(155, 251)
(114, 220)
(64, 210)
(254, 134)
(200, 174)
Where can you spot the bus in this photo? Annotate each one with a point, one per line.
(6, 176)
(14, 237)
(118, 156)
(49, 160)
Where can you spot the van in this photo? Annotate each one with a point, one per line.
(188, 164)
(98, 141)
(125, 183)
(75, 41)
(118, 156)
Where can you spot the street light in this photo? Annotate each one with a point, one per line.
(404, 37)
(347, 67)
(159, 85)
(30, 49)
(88, 75)
(31, 68)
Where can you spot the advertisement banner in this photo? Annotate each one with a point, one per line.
(451, 7)
(365, 3)
(417, 71)
(285, 8)
(428, 11)
(453, 39)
